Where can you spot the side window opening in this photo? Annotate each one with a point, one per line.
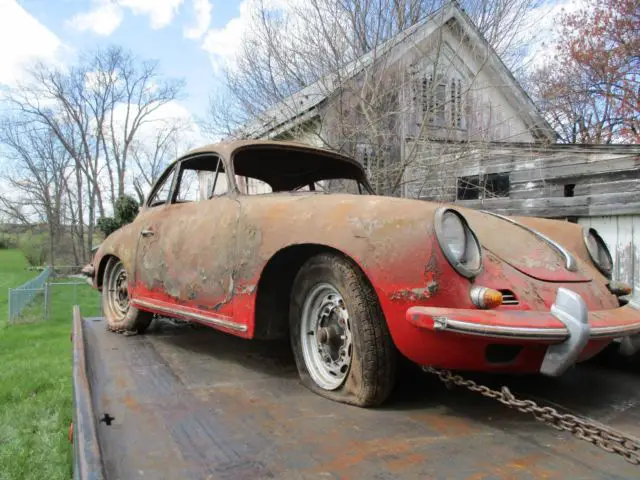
(161, 195)
(189, 190)
(252, 186)
(201, 179)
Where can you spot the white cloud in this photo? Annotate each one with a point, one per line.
(106, 15)
(224, 43)
(202, 10)
(103, 19)
(23, 39)
(160, 12)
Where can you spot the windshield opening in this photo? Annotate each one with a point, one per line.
(267, 169)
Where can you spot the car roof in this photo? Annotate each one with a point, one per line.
(228, 148)
(300, 163)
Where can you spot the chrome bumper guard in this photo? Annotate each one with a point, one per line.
(571, 310)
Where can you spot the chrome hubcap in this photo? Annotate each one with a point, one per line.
(118, 292)
(326, 336)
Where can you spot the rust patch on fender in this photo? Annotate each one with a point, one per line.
(415, 294)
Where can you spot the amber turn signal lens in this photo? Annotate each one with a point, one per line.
(620, 288)
(483, 297)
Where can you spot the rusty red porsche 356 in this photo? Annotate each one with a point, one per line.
(271, 239)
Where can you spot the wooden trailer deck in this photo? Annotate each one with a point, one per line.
(191, 403)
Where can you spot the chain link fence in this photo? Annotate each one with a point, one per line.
(34, 291)
(52, 294)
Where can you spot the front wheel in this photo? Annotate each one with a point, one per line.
(120, 315)
(341, 343)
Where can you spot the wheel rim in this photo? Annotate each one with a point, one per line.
(118, 292)
(326, 336)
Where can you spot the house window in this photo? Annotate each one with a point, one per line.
(439, 99)
(496, 185)
(569, 189)
(456, 109)
(366, 154)
(434, 96)
(469, 187)
(474, 187)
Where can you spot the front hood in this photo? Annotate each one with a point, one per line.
(521, 248)
(371, 216)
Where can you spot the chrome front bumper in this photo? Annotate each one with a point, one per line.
(566, 328)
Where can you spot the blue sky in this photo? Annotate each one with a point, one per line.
(188, 37)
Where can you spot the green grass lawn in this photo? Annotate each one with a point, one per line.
(35, 379)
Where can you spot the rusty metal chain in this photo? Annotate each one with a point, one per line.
(606, 438)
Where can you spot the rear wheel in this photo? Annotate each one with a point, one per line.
(120, 315)
(340, 339)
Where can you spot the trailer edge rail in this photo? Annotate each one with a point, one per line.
(87, 457)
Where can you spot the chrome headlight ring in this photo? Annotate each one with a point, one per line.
(458, 242)
(598, 251)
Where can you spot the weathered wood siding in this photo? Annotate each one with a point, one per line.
(622, 235)
(606, 180)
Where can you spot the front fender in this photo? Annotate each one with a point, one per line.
(391, 240)
(121, 244)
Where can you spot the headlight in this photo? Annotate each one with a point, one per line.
(598, 252)
(458, 242)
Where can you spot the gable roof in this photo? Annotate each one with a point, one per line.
(301, 106)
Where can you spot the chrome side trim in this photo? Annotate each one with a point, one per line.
(172, 310)
(603, 332)
(569, 261)
(522, 333)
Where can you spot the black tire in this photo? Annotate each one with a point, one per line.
(120, 316)
(371, 375)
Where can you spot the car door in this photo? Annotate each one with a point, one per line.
(187, 250)
(150, 269)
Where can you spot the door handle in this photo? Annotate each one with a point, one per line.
(147, 233)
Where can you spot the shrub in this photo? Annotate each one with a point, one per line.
(126, 209)
(107, 225)
(34, 252)
(5, 243)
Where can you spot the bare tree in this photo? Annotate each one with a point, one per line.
(136, 93)
(152, 155)
(95, 110)
(37, 178)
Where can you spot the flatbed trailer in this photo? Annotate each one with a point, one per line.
(191, 403)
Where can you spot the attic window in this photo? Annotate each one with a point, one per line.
(366, 155)
(439, 100)
(455, 92)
